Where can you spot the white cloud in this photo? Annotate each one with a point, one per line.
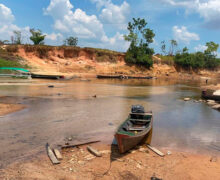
(112, 13)
(6, 15)
(200, 48)
(208, 9)
(7, 27)
(182, 34)
(54, 36)
(75, 22)
(116, 43)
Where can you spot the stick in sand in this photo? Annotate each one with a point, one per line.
(94, 151)
(79, 144)
(51, 155)
(155, 150)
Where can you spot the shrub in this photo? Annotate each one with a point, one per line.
(169, 60)
(29, 48)
(42, 51)
(12, 48)
(70, 52)
(197, 60)
(139, 56)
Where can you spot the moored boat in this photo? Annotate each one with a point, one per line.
(211, 94)
(42, 76)
(134, 129)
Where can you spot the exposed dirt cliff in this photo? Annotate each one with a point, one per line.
(90, 61)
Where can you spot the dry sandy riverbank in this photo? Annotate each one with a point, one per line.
(86, 63)
(141, 163)
(10, 108)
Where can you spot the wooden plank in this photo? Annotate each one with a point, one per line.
(142, 120)
(94, 151)
(155, 150)
(51, 155)
(58, 154)
(79, 144)
(143, 114)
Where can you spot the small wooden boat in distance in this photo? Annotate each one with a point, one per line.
(134, 129)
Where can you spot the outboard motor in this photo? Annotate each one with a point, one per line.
(137, 109)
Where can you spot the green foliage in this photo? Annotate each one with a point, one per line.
(173, 46)
(197, 60)
(37, 37)
(139, 56)
(102, 57)
(212, 48)
(163, 47)
(169, 60)
(7, 63)
(71, 41)
(17, 37)
(140, 37)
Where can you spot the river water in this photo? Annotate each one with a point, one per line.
(70, 110)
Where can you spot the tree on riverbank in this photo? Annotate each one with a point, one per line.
(140, 38)
(17, 37)
(71, 41)
(199, 60)
(37, 36)
(173, 46)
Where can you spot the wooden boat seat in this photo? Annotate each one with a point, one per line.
(136, 128)
(142, 120)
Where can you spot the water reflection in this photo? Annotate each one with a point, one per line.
(69, 109)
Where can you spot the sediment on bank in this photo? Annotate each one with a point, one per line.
(76, 60)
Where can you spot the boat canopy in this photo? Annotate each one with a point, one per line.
(216, 93)
(13, 68)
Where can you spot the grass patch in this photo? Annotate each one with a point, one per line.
(8, 63)
(169, 60)
(106, 58)
(102, 51)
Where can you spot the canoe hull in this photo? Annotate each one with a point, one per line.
(126, 142)
(209, 94)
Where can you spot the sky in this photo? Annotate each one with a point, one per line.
(102, 23)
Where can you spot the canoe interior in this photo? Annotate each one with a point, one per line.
(136, 124)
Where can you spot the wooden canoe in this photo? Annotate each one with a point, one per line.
(133, 131)
(122, 77)
(41, 76)
(210, 94)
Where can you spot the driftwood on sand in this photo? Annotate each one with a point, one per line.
(58, 154)
(78, 144)
(51, 155)
(155, 150)
(94, 151)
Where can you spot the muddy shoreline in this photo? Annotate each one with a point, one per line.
(140, 163)
(10, 108)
